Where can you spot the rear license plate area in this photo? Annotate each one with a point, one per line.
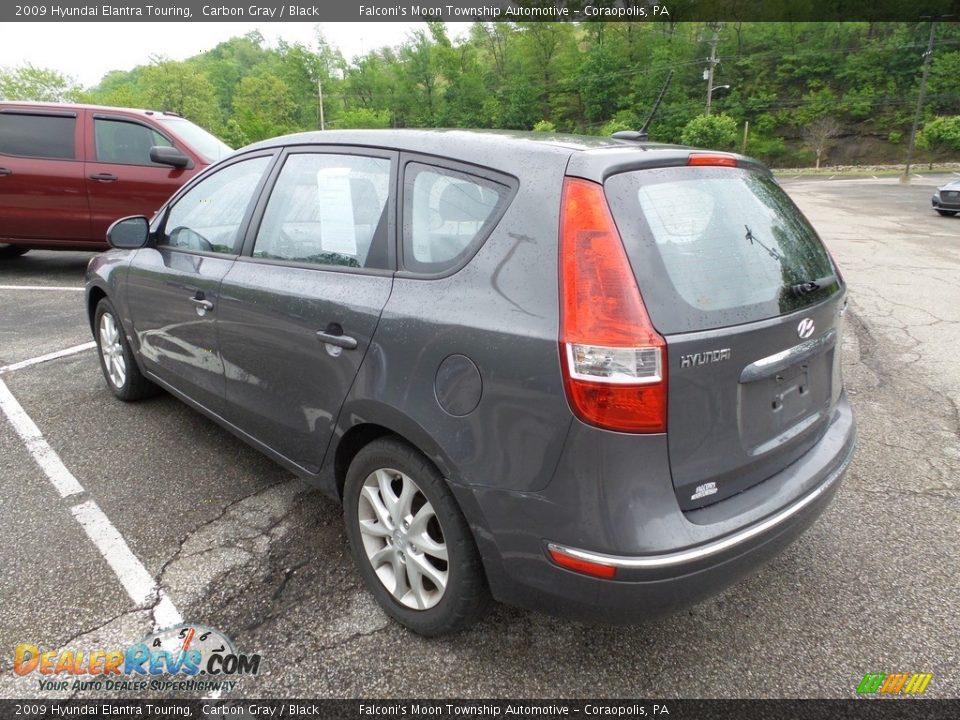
(778, 408)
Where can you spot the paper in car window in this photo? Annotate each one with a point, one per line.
(338, 232)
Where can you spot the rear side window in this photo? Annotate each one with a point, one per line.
(126, 143)
(40, 136)
(714, 247)
(328, 209)
(446, 213)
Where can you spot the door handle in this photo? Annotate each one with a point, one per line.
(202, 304)
(104, 177)
(333, 335)
(6, 171)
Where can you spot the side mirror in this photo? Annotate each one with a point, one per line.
(129, 233)
(169, 156)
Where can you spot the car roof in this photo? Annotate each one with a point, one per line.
(81, 106)
(508, 150)
(448, 140)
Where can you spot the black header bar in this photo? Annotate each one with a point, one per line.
(480, 10)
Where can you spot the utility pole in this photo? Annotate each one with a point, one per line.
(927, 57)
(712, 63)
(320, 98)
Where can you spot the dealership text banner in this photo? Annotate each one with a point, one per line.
(481, 11)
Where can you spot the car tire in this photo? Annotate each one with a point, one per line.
(8, 252)
(410, 540)
(947, 213)
(119, 367)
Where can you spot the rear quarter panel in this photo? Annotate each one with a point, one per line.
(501, 311)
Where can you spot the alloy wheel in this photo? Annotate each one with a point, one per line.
(111, 351)
(403, 539)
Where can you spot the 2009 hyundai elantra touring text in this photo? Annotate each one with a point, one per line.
(595, 377)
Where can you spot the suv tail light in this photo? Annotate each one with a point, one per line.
(614, 361)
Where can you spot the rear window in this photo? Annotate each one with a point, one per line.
(714, 247)
(39, 136)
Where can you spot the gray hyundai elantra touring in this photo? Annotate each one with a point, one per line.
(593, 377)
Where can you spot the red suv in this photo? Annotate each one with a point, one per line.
(68, 171)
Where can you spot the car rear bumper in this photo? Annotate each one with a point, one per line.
(698, 552)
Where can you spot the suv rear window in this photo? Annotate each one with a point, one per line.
(714, 247)
(36, 135)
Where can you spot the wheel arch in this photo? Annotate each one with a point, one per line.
(94, 296)
(367, 428)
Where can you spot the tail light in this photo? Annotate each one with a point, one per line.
(701, 159)
(614, 361)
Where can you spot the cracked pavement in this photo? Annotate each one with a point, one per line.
(240, 545)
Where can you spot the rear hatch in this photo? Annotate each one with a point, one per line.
(749, 303)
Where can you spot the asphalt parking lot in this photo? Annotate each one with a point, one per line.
(236, 543)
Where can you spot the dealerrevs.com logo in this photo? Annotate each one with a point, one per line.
(894, 683)
(185, 658)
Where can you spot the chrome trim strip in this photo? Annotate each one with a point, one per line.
(765, 367)
(698, 553)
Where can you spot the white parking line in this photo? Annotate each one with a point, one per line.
(41, 287)
(49, 356)
(129, 570)
(131, 573)
(46, 457)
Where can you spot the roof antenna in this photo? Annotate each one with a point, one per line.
(641, 135)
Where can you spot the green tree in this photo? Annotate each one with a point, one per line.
(26, 82)
(264, 107)
(717, 132)
(941, 134)
(364, 118)
(179, 87)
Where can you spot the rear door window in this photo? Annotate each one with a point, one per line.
(714, 247)
(328, 209)
(38, 135)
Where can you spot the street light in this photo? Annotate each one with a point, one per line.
(713, 90)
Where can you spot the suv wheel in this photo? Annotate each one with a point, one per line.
(116, 359)
(410, 540)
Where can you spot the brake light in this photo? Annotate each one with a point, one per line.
(576, 564)
(711, 159)
(614, 361)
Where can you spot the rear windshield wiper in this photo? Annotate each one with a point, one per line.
(809, 286)
(749, 236)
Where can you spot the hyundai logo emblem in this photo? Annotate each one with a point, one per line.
(805, 328)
